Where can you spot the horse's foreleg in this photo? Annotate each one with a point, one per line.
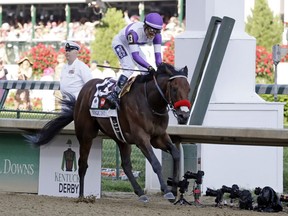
(157, 168)
(164, 143)
(125, 152)
(83, 163)
(176, 165)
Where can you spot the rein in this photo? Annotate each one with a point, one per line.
(161, 93)
(169, 101)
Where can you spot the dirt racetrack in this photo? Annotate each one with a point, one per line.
(120, 204)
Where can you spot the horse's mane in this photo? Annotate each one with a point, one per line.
(166, 68)
(163, 69)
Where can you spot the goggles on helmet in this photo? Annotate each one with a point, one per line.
(153, 31)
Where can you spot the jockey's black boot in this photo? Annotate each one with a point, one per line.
(113, 97)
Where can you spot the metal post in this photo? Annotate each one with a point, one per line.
(276, 54)
(117, 163)
(4, 96)
(203, 56)
(1, 15)
(275, 84)
(210, 76)
(68, 18)
(33, 20)
(180, 11)
(141, 8)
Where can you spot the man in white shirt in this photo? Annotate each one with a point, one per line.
(75, 73)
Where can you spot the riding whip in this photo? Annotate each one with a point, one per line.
(117, 68)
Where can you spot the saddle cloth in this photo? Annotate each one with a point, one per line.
(98, 108)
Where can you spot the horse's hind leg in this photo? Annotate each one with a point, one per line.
(85, 147)
(85, 132)
(125, 152)
(83, 163)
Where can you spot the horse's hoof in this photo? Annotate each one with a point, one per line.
(169, 196)
(143, 198)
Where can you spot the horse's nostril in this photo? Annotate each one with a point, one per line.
(182, 121)
(183, 117)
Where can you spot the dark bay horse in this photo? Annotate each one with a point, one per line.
(143, 118)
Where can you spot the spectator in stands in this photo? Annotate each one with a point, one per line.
(75, 73)
(126, 45)
(96, 73)
(24, 73)
(3, 55)
(3, 73)
(172, 29)
(108, 72)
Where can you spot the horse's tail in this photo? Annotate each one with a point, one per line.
(53, 127)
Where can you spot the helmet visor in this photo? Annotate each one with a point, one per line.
(153, 31)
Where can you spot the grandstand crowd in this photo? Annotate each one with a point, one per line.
(82, 30)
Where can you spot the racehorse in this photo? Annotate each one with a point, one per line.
(143, 118)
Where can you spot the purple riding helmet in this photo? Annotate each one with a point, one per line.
(154, 20)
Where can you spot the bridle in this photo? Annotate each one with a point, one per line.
(170, 104)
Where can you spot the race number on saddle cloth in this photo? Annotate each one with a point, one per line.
(99, 106)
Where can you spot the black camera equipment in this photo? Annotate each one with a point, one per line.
(233, 191)
(268, 200)
(215, 193)
(244, 196)
(183, 186)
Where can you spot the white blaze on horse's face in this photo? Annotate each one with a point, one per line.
(184, 109)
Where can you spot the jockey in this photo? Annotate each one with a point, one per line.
(126, 45)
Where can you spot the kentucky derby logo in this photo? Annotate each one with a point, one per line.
(69, 159)
(68, 180)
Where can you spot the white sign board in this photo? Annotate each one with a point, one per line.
(282, 73)
(58, 168)
(40, 1)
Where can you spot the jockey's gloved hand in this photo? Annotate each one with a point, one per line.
(151, 70)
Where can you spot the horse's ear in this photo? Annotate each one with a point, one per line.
(184, 71)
